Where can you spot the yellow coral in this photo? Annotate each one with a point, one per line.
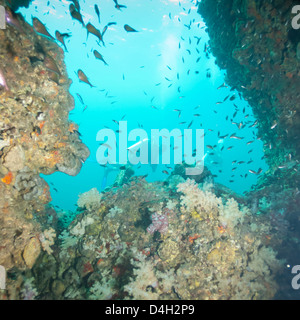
(195, 215)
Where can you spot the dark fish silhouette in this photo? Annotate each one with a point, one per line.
(50, 64)
(75, 14)
(61, 38)
(106, 27)
(97, 12)
(128, 28)
(83, 77)
(91, 29)
(80, 98)
(76, 3)
(99, 56)
(54, 76)
(40, 28)
(118, 6)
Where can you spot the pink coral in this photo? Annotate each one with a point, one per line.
(159, 223)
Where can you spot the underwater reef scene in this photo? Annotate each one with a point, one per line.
(229, 230)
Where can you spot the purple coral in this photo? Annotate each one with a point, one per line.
(159, 223)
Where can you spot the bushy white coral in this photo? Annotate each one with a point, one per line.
(197, 199)
(144, 277)
(67, 240)
(90, 199)
(79, 229)
(230, 214)
(103, 290)
(114, 211)
(47, 239)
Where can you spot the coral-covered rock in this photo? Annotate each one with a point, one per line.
(35, 133)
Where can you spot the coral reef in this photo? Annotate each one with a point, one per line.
(256, 44)
(35, 134)
(183, 244)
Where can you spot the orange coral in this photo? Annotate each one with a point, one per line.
(72, 127)
(194, 237)
(221, 229)
(7, 179)
(53, 158)
(42, 124)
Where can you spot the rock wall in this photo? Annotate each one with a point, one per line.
(256, 44)
(35, 135)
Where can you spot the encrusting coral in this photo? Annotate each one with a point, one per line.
(209, 247)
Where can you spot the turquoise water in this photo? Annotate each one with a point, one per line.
(150, 73)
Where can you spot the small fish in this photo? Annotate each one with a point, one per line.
(75, 14)
(80, 98)
(118, 6)
(83, 77)
(61, 38)
(40, 28)
(165, 172)
(254, 124)
(226, 98)
(99, 56)
(236, 137)
(106, 27)
(222, 86)
(252, 171)
(129, 29)
(3, 81)
(91, 29)
(50, 64)
(97, 11)
(274, 125)
(190, 124)
(232, 98)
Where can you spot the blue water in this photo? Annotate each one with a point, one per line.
(133, 87)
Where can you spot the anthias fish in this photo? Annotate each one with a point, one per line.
(83, 77)
(91, 29)
(99, 56)
(61, 38)
(40, 28)
(129, 29)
